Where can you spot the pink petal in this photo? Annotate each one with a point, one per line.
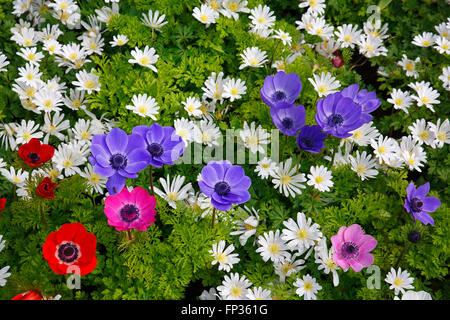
(353, 233)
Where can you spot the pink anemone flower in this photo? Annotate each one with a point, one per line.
(130, 210)
(352, 247)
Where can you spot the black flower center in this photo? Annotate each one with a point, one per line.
(350, 250)
(416, 204)
(155, 149)
(222, 188)
(34, 157)
(307, 142)
(335, 120)
(279, 95)
(287, 123)
(118, 161)
(414, 236)
(68, 252)
(129, 213)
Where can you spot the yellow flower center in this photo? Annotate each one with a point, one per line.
(76, 103)
(203, 18)
(28, 42)
(236, 291)
(142, 109)
(73, 56)
(424, 135)
(361, 168)
(30, 76)
(285, 179)
(233, 6)
(31, 56)
(307, 286)
(85, 135)
(382, 149)
(348, 38)
(26, 136)
(67, 163)
(409, 66)
(48, 103)
(248, 226)
(234, 91)
(261, 19)
(213, 4)
(369, 47)
(53, 174)
(95, 178)
(221, 257)
(426, 42)
(253, 61)
(286, 267)
(252, 141)
(302, 233)
(398, 282)
(274, 248)
(425, 99)
(398, 101)
(144, 60)
(89, 84)
(322, 88)
(313, 3)
(29, 92)
(172, 196)
(442, 136)
(357, 134)
(319, 179)
(330, 264)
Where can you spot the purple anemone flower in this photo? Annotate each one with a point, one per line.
(162, 143)
(311, 139)
(117, 156)
(368, 101)
(281, 87)
(418, 204)
(337, 115)
(225, 184)
(289, 120)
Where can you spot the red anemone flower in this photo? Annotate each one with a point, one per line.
(2, 203)
(71, 249)
(45, 189)
(34, 153)
(29, 295)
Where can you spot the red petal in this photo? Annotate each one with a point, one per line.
(68, 231)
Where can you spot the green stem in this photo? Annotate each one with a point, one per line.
(401, 255)
(213, 217)
(151, 181)
(130, 236)
(298, 164)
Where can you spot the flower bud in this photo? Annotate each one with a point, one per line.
(414, 236)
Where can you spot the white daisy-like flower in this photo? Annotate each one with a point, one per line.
(324, 84)
(209, 295)
(283, 36)
(286, 179)
(48, 100)
(371, 46)
(18, 178)
(26, 131)
(362, 135)
(445, 78)
(145, 58)
(426, 95)
(412, 153)
(443, 30)
(321, 28)
(441, 131)
(306, 22)
(185, 129)
(377, 30)
(174, 191)
(409, 66)
(30, 75)
(213, 88)
(247, 227)
(272, 246)
(231, 8)
(442, 45)
(385, 149)
(87, 81)
(143, 105)
(327, 48)
(363, 165)
(207, 133)
(2, 243)
(68, 158)
(205, 14)
(400, 99)
(415, 295)
(399, 280)
(262, 17)
(258, 293)
(93, 45)
(75, 100)
(3, 275)
(320, 178)
(95, 181)
(288, 266)
(425, 39)
(234, 287)
(105, 14)
(254, 138)
(7, 134)
(349, 35)
(262, 33)
(30, 55)
(54, 125)
(253, 57)
(421, 132)
(316, 7)
(193, 106)
(302, 234)
(119, 40)
(153, 20)
(324, 258)
(234, 89)
(224, 257)
(3, 62)
(307, 287)
(266, 167)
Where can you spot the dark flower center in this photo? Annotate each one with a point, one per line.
(129, 212)
(34, 157)
(279, 95)
(118, 161)
(155, 149)
(222, 188)
(350, 250)
(68, 252)
(287, 123)
(307, 141)
(414, 236)
(335, 120)
(416, 204)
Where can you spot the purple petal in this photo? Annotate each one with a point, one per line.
(115, 183)
(430, 204)
(117, 141)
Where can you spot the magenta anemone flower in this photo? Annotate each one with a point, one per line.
(352, 247)
(130, 210)
(418, 204)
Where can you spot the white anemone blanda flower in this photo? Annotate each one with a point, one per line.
(224, 256)
(234, 287)
(272, 246)
(174, 191)
(287, 180)
(301, 234)
(307, 287)
(399, 280)
(320, 178)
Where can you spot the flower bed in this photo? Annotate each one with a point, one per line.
(224, 149)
